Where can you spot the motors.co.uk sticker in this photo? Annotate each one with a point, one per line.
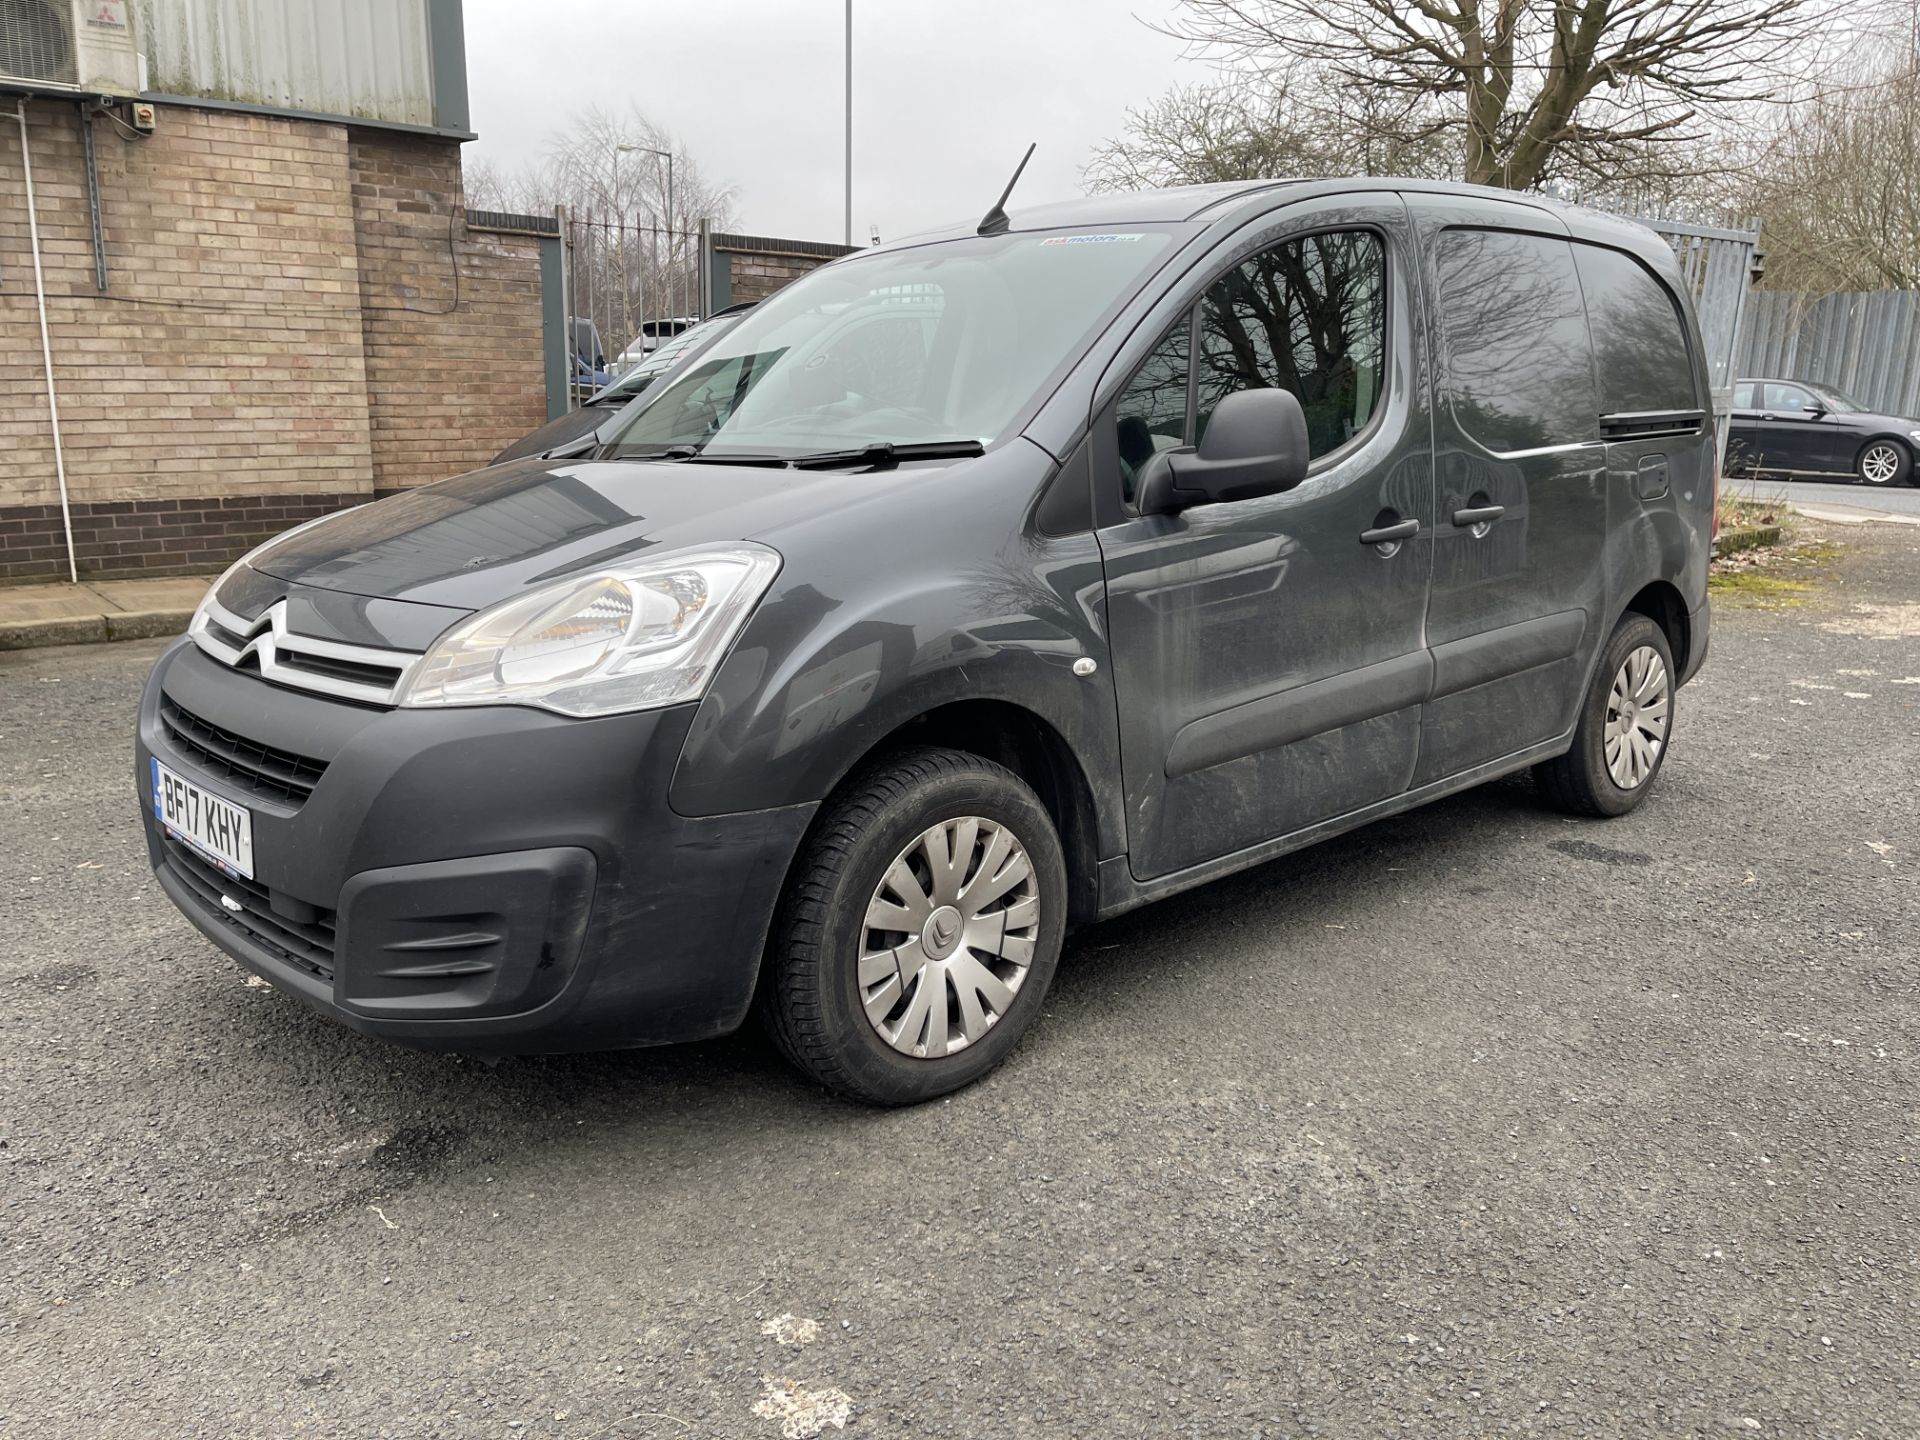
(1091, 239)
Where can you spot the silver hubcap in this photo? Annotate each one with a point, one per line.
(1880, 464)
(1637, 710)
(950, 932)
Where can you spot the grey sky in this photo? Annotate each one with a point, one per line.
(948, 93)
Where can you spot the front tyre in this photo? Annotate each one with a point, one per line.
(920, 930)
(1626, 721)
(1885, 462)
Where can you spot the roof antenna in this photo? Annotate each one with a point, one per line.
(996, 221)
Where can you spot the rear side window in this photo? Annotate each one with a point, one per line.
(1638, 336)
(1519, 356)
(1746, 396)
(1307, 315)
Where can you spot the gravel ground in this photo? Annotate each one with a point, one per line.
(1478, 1121)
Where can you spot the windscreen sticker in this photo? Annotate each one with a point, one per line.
(1091, 239)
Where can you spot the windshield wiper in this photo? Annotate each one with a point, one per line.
(881, 456)
(885, 454)
(690, 455)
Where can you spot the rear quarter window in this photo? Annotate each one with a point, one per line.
(1519, 356)
(1639, 338)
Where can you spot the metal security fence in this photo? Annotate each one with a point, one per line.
(1717, 262)
(632, 284)
(1866, 345)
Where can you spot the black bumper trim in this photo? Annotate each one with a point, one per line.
(306, 947)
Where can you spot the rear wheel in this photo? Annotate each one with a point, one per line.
(1626, 721)
(921, 930)
(1885, 462)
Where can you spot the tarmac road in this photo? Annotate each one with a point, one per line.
(1478, 1121)
(1901, 500)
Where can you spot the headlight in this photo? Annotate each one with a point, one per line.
(1915, 434)
(633, 637)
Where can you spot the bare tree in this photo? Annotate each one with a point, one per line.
(1837, 188)
(1521, 92)
(632, 212)
(1249, 130)
(606, 163)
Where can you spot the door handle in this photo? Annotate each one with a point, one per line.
(1390, 534)
(1485, 515)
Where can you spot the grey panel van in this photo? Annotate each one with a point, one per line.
(972, 588)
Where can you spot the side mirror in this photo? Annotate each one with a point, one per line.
(1816, 409)
(1256, 444)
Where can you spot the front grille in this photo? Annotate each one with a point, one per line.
(304, 944)
(245, 764)
(265, 645)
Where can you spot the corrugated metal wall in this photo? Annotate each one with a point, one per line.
(1866, 345)
(1717, 263)
(366, 59)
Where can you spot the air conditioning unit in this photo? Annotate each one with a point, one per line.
(83, 47)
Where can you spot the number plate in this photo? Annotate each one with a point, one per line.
(218, 829)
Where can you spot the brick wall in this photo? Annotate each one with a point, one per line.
(280, 335)
(750, 267)
(455, 370)
(182, 536)
(227, 349)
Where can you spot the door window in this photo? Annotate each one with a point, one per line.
(1153, 412)
(1519, 354)
(1746, 396)
(1787, 399)
(1308, 315)
(1638, 336)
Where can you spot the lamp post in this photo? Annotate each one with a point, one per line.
(672, 239)
(849, 122)
(666, 155)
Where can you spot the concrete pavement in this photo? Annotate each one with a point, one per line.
(35, 615)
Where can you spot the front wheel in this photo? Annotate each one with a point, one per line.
(1625, 723)
(920, 930)
(1885, 462)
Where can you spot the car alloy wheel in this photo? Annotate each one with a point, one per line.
(949, 935)
(1880, 464)
(1637, 712)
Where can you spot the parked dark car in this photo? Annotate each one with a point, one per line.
(566, 432)
(972, 588)
(1798, 430)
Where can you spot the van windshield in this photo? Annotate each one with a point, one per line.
(945, 342)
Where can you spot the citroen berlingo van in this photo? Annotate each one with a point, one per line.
(973, 588)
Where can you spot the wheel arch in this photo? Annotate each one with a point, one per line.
(1661, 602)
(1011, 735)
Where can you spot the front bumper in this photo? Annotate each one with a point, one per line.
(494, 880)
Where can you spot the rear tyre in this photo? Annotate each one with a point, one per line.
(1625, 724)
(1885, 462)
(920, 930)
